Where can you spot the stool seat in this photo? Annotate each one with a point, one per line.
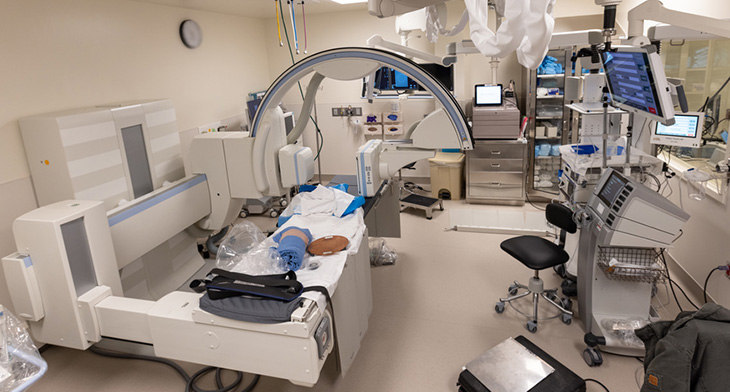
(534, 252)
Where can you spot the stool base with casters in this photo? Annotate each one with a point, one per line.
(538, 253)
(536, 288)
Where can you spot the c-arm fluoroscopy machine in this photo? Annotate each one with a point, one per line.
(65, 278)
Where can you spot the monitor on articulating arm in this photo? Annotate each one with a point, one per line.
(686, 131)
(637, 82)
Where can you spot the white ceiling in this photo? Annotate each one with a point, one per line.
(258, 8)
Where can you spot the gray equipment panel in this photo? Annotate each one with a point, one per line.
(79, 255)
(136, 153)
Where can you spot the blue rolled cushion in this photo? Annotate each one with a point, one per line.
(292, 248)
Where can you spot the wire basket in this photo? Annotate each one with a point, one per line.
(631, 264)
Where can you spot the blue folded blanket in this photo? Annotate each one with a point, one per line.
(292, 248)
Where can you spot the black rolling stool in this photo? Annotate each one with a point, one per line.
(538, 254)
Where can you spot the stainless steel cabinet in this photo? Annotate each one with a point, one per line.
(495, 172)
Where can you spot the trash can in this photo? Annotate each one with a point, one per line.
(447, 175)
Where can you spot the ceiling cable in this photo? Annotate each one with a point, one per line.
(278, 26)
(304, 22)
(294, 25)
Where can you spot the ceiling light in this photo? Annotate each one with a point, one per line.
(350, 1)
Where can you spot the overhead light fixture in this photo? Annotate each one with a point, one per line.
(350, 1)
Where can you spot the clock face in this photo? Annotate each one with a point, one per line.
(190, 34)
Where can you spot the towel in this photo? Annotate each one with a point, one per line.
(293, 243)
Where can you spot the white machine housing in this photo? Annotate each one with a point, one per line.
(130, 148)
(629, 221)
(296, 164)
(630, 214)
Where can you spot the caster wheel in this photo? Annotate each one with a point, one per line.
(566, 318)
(531, 326)
(513, 289)
(273, 213)
(499, 307)
(567, 303)
(592, 357)
(243, 213)
(283, 202)
(441, 208)
(429, 217)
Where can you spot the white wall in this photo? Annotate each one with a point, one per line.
(65, 54)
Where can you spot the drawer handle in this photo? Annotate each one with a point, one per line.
(496, 152)
(496, 184)
(496, 165)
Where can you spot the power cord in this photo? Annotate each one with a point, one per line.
(704, 287)
(190, 381)
(672, 283)
(597, 382)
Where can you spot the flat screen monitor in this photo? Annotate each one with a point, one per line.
(637, 82)
(445, 75)
(612, 188)
(252, 106)
(389, 79)
(488, 95)
(686, 131)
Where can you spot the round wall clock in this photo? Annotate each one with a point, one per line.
(190, 33)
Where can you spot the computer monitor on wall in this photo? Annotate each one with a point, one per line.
(637, 82)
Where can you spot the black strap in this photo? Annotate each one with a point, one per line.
(222, 284)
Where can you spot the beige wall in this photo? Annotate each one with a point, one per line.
(64, 54)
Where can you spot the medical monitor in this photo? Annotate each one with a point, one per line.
(488, 95)
(637, 82)
(252, 106)
(390, 79)
(612, 187)
(445, 75)
(686, 131)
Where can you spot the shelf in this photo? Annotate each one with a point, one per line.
(548, 157)
(593, 110)
(554, 76)
(550, 96)
(548, 117)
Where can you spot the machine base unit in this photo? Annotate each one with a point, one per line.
(562, 379)
(181, 331)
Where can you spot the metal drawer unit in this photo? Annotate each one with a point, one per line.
(495, 172)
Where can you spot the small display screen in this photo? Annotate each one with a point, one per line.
(612, 188)
(631, 81)
(684, 126)
(253, 105)
(289, 122)
(392, 79)
(488, 95)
